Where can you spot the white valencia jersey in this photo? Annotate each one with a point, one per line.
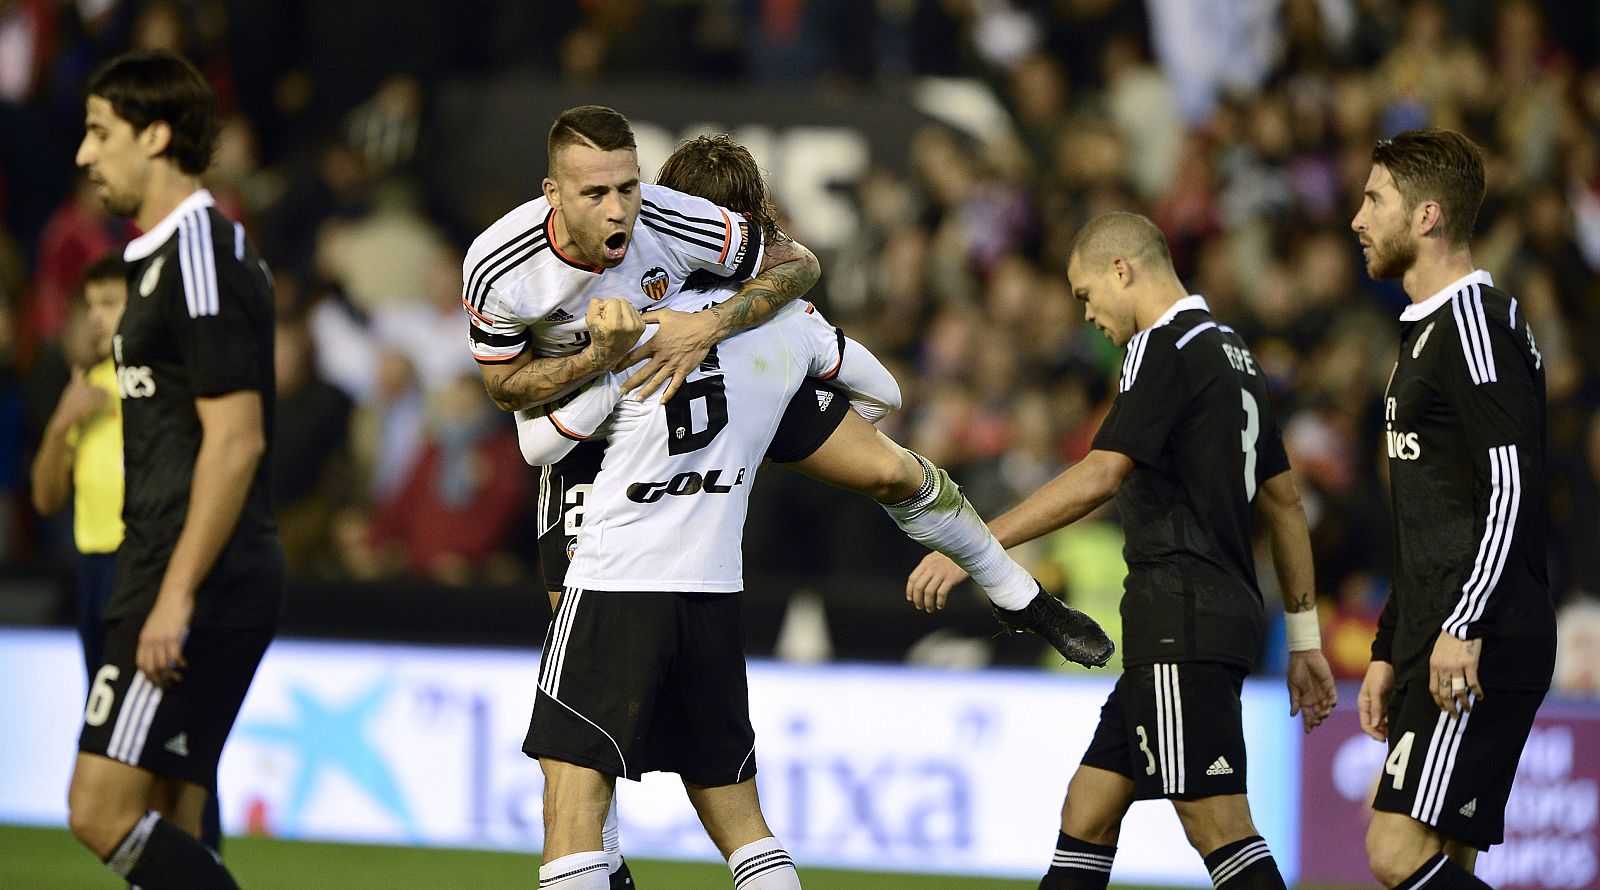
(668, 507)
(519, 289)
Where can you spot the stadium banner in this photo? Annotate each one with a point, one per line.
(489, 143)
(1552, 818)
(880, 768)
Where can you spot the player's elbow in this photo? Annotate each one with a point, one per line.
(1103, 472)
(810, 270)
(1280, 500)
(504, 402)
(891, 398)
(539, 452)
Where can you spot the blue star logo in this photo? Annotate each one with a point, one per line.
(334, 738)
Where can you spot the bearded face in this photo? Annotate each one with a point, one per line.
(1383, 226)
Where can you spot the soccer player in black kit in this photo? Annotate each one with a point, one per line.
(1190, 451)
(1466, 643)
(200, 572)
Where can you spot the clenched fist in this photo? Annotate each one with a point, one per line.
(614, 326)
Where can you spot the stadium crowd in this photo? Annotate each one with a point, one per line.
(1249, 150)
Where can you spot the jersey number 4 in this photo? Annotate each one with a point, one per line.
(1398, 759)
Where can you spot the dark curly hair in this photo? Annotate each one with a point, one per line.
(722, 171)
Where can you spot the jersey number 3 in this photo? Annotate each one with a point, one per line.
(1252, 432)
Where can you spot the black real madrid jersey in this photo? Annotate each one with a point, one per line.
(199, 323)
(1465, 438)
(1193, 414)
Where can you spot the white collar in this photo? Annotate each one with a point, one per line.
(1193, 301)
(1426, 308)
(146, 244)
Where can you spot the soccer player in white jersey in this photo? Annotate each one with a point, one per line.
(598, 233)
(643, 666)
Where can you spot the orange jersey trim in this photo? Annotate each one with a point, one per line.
(475, 313)
(727, 235)
(495, 360)
(563, 430)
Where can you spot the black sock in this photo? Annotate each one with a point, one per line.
(1078, 865)
(157, 855)
(1442, 873)
(211, 825)
(1245, 864)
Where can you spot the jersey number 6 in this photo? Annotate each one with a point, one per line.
(712, 395)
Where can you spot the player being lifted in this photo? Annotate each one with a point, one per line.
(1189, 450)
(200, 572)
(832, 444)
(1466, 643)
(597, 233)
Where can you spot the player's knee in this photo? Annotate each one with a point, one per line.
(891, 475)
(1087, 823)
(1392, 856)
(1210, 828)
(97, 828)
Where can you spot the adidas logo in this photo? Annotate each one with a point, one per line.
(824, 399)
(1471, 808)
(1219, 768)
(178, 744)
(557, 317)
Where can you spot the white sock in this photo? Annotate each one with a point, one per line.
(576, 871)
(940, 518)
(763, 865)
(611, 838)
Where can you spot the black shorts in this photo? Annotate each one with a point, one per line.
(1454, 773)
(814, 412)
(1176, 730)
(632, 683)
(175, 732)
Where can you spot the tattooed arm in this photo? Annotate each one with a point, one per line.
(614, 326)
(1311, 691)
(788, 270)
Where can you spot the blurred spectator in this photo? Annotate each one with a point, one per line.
(308, 447)
(431, 332)
(1578, 649)
(390, 427)
(12, 499)
(384, 256)
(78, 232)
(451, 520)
(27, 29)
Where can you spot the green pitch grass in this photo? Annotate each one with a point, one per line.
(50, 859)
